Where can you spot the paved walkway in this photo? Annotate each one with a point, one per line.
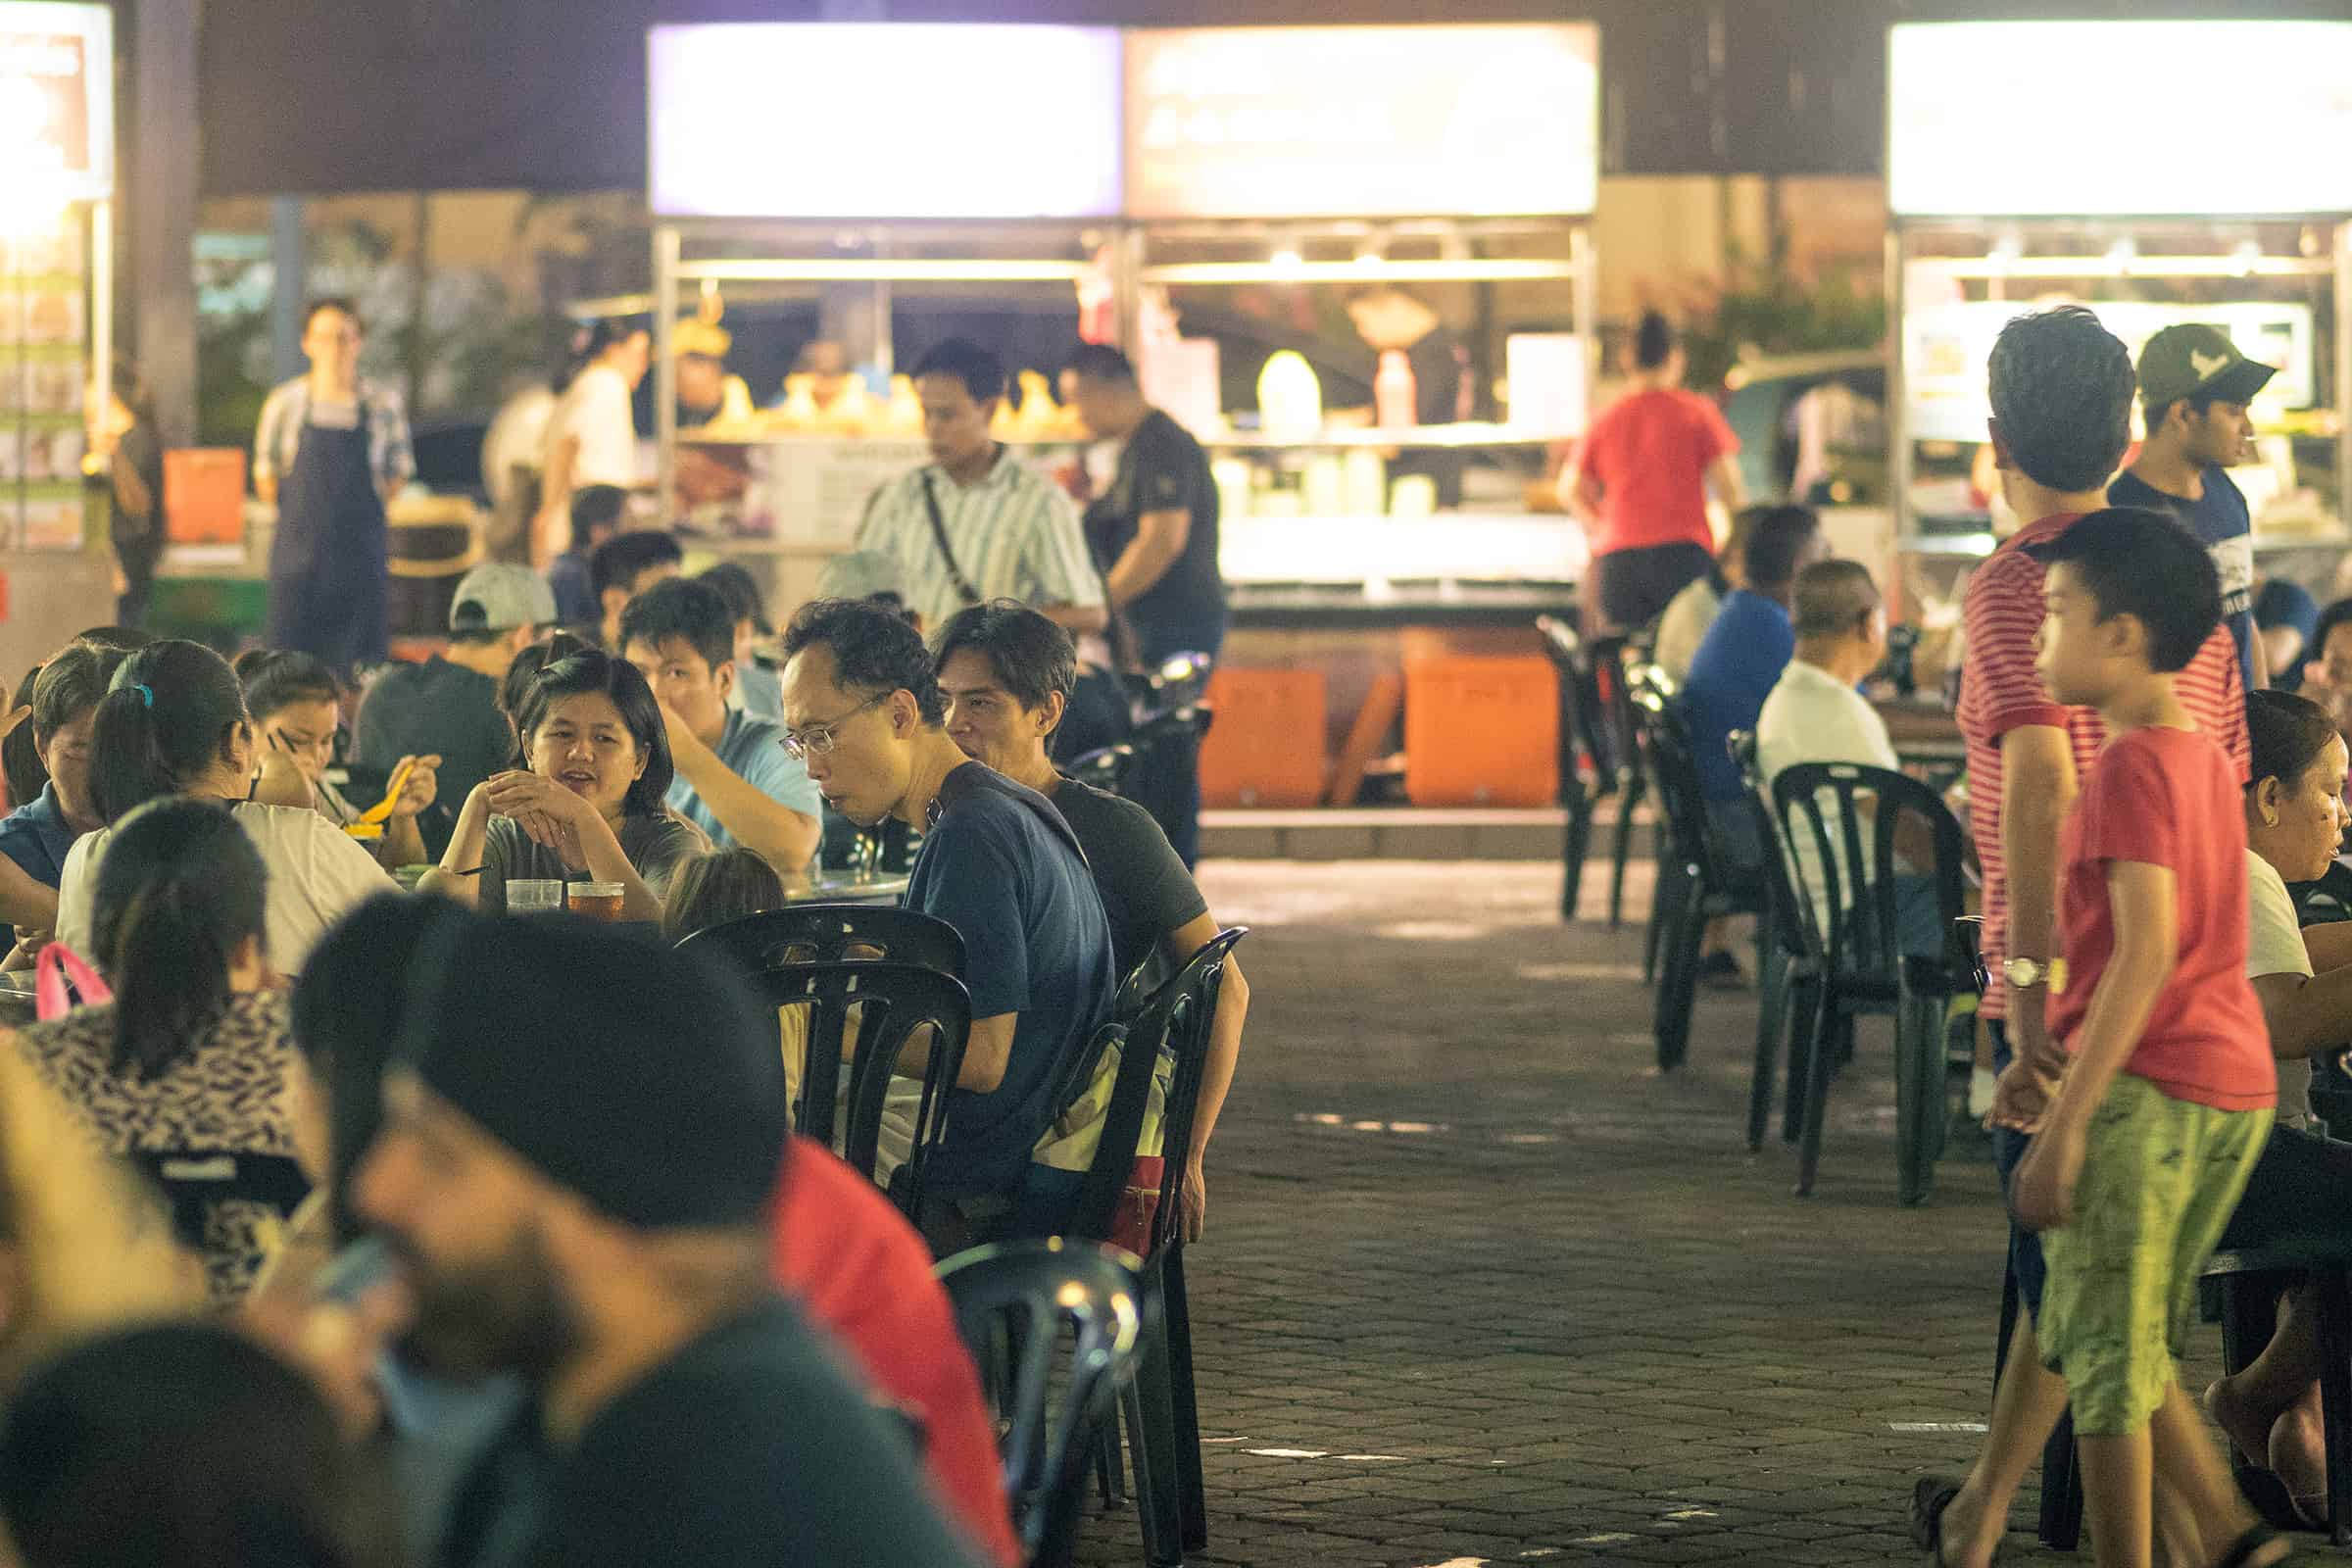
(1480, 1286)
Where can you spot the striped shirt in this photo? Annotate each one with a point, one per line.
(2000, 691)
(278, 436)
(1015, 536)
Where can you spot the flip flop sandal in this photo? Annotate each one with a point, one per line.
(2242, 1551)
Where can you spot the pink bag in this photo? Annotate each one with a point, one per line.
(61, 978)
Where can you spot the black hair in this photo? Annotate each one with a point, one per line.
(875, 650)
(694, 611)
(1099, 362)
(981, 372)
(1775, 542)
(621, 560)
(19, 753)
(596, 673)
(179, 887)
(346, 1018)
(740, 590)
(122, 639)
(594, 507)
(278, 679)
(69, 685)
(2338, 614)
(2152, 415)
(2143, 564)
(712, 889)
(129, 388)
(170, 715)
(592, 339)
(183, 1445)
(1653, 341)
(2285, 734)
(528, 662)
(1832, 597)
(329, 302)
(2061, 385)
(1032, 657)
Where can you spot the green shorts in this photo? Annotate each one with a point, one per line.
(2160, 1180)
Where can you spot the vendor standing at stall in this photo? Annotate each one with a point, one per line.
(592, 436)
(330, 451)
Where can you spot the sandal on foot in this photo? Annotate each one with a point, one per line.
(1929, 1498)
(2242, 1551)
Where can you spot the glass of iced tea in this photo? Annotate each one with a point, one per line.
(598, 901)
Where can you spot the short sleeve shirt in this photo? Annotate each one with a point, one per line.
(753, 751)
(1735, 670)
(656, 846)
(596, 409)
(2002, 692)
(35, 836)
(1001, 867)
(1147, 893)
(2220, 517)
(2168, 798)
(1162, 468)
(1811, 717)
(435, 708)
(2275, 946)
(1015, 536)
(1652, 451)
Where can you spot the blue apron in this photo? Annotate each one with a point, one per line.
(328, 565)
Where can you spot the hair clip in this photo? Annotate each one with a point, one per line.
(145, 691)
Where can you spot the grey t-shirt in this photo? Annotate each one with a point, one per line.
(655, 845)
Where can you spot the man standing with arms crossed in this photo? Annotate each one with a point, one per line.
(2061, 395)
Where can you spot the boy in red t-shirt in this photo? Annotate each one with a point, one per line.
(2168, 1098)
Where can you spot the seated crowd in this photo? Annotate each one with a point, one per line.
(490, 1235)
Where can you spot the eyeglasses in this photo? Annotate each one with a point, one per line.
(817, 740)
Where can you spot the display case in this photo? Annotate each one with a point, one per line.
(2087, 200)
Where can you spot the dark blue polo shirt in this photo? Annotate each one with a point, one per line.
(1001, 868)
(35, 836)
(1735, 667)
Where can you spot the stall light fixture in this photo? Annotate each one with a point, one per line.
(2236, 264)
(2121, 254)
(1295, 270)
(1287, 261)
(856, 269)
(2247, 257)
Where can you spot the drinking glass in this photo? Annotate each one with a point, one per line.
(596, 901)
(534, 895)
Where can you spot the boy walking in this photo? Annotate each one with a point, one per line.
(2142, 1155)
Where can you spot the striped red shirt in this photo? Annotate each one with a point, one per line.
(1999, 691)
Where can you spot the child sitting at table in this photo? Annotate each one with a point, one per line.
(2142, 1155)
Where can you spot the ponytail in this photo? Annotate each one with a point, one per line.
(170, 715)
(180, 888)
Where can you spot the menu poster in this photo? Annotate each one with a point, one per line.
(1473, 120)
(45, 365)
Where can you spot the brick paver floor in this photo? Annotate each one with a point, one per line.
(1480, 1286)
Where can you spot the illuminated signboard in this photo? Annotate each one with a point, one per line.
(851, 119)
(1463, 121)
(2119, 119)
(56, 109)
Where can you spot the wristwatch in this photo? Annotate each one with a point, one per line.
(2023, 974)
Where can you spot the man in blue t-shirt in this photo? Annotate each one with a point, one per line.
(2193, 390)
(863, 709)
(1738, 664)
(735, 779)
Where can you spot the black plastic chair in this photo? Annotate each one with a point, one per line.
(1863, 967)
(1582, 735)
(1109, 767)
(1620, 721)
(893, 1001)
(1696, 882)
(1787, 980)
(194, 1182)
(834, 933)
(1017, 1305)
(2241, 1290)
(1163, 1422)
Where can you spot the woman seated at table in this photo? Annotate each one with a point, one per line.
(193, 1055)
(587, 802)
(716, 888)
(2302, 1188)
(296, 704)
(175, 723)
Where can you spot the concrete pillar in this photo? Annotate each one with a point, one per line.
(288, 288)
(159, 212)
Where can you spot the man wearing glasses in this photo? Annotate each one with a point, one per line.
(863, 713)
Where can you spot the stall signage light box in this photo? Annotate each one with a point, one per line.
(57, 107)
(2119, 119)
(1472, 121)
(881, 121)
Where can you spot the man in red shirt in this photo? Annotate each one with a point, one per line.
(2061, 392)
(1640, 487)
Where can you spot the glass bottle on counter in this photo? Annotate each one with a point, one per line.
(1394, 396)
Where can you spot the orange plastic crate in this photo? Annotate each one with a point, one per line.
(1481, 733)
(1266, 745)
(204, 495)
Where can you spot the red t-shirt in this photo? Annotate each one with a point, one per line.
(1652, 451)
(2000, 691)
(2168, 798)
(861, 1272)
